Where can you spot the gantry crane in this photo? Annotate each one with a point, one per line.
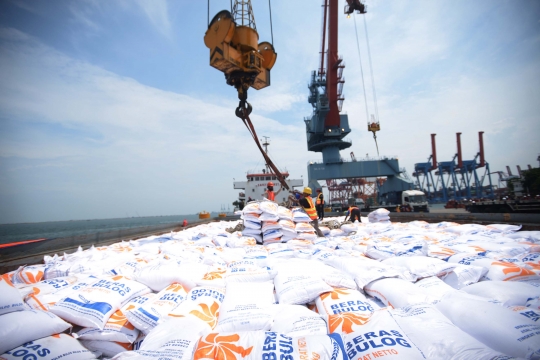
(326, 128)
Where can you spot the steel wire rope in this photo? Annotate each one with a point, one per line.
(371, 70)
(247, 121)
(363, 83)
(271, 30)
(361, 68)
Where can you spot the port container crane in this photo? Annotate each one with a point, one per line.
(326, 128)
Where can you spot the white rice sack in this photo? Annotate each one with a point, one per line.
(269, 345)
(381, 251)
(284, 213)
(269, 207)
(337, 232)
(239, 242)
(288, 225)
(495, 326)
(173, 339)
(258, 254)
(434, 287)
(43, 301)
(252, 207)
(505, 227)
(464, 275)
(203, 303)
(214, 277)
(49, 348)
(298, 320)
(249, 232)
(534, 303)
(505, 271)
(303, 227)
(117, 329)
(270, 225)
(440, 252)
(379, 212)
(28, 274)
(381, 337)
(348, 228)
(307, 235)
(147, 316)
(437, 337)
(249, 273)
(398, 293)
(10, 298)
(533, 314)
(108, 349)
(303, 245)
(422, 266)
(158, 277)
(363, 270)
(252, 223)
(325, 230)
(271, 234)
(509, 293)
(296, 283)
(20, 327)
(51, 285)
(268, 217)
(299, 215)
(93, 305)
(344, 310)
(280, 252)
(247, 307)
(333, 277)
(470, 259)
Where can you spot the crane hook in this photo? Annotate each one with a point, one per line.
(244, 108)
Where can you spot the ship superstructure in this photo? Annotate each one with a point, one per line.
(257, 180)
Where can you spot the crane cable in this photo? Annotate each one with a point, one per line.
(371, 69)
(243, 113)
(271, 30)
(363, 83)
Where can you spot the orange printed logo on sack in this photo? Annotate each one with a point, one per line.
(214, 346)
(7, 278)
(119, 319)
(175, 288)
(535, 266)
(208, 314)
(444, 251)
(30, 278)
(334, 295)
(510, 268)
(345, 321)
(212, 275)
(118, 277)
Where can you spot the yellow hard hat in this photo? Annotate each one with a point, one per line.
(307, 190)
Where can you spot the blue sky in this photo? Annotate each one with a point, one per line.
(110, 109)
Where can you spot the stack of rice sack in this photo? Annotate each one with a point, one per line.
(376, 290)
(379, 215)
(270, 223)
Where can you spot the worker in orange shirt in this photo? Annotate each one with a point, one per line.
(270, 194)
(319, 204)
(353, 213)
(307, 203)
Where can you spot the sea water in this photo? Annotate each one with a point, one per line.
(57, 229)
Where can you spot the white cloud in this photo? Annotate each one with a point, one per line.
(157, 13)
(90, 122)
